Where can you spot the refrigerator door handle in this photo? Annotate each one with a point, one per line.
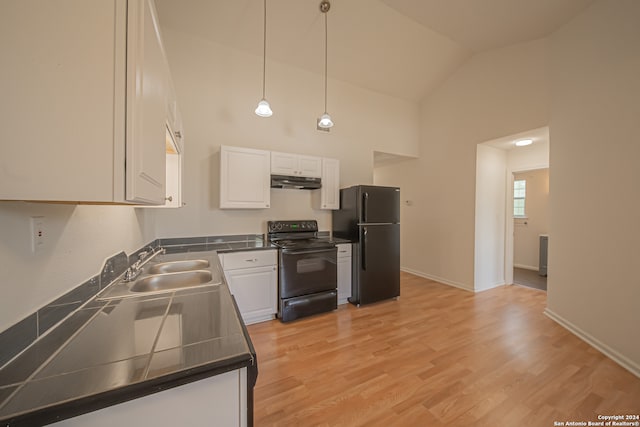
(363, 254)
(365, 200)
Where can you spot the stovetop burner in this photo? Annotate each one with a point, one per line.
(296, 235)
(303, 243)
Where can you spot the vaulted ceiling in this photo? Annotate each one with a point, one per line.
(402, 48)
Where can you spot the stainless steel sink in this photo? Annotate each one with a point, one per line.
(170, 281)
(177, 266)
(166, 273)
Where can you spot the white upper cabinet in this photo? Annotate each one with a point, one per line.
(295, 165)
(85, 94)
(174, 146)
(147, 92)
(174, 149)
(328, 196)
(245, 179)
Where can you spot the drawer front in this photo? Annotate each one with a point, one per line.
(344, 250)
(248, 259)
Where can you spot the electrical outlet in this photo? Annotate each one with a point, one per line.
(38, 233)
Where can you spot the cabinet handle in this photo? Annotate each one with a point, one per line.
(252, 260)
(170, 198)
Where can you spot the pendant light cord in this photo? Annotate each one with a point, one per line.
(326, 41)
(264, 50)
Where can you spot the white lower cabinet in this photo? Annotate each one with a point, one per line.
(252, 277)
(220, 400)
(344, 272)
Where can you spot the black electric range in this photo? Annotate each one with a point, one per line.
(307, 278)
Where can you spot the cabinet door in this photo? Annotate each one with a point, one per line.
(174, 181)
(255, 291)
(284, 163)
(310, 166)
(147, 82)
(62, 86)
(245, 180)
(344, 272)
(328, 196)
(219, 400)
(295, 165)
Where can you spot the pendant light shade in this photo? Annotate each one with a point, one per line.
(324, 122)
(264, 109)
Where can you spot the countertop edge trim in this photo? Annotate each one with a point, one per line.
(70, 409)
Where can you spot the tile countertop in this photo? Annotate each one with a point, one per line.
(117, 350)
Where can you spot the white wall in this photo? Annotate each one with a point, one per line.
(594, 249)
(217, 89)
(392, 175)
(77, 241)
(494, 94)
(491, 176)
(526, 248)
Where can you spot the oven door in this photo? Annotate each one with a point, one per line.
(307, 271)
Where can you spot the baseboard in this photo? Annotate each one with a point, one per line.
(437, 279)
(495, 285)
(526, 267)
(614, 355)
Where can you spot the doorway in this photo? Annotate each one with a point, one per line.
(496, 162)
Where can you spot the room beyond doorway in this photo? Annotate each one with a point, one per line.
(530, 227)
(529, 278)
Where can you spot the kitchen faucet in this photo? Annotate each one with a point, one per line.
(136, 268)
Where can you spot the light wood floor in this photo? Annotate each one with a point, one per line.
(438, 356)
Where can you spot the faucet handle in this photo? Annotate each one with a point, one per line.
(142, 255)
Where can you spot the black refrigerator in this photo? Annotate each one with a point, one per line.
(369, 216)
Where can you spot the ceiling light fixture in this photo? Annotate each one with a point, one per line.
(524, 142)
(264, 109)
(324, 122)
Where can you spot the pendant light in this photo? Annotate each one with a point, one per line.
(324, 122)
(264, 109)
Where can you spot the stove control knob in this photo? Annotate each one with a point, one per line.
(279, 226)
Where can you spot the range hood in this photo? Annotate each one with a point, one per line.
(297, 182)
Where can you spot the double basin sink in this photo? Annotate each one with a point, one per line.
(166, 273)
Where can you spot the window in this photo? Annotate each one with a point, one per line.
(519, 191)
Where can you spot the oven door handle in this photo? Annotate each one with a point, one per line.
(309, 251)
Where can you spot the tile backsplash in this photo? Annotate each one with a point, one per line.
(19, 336)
